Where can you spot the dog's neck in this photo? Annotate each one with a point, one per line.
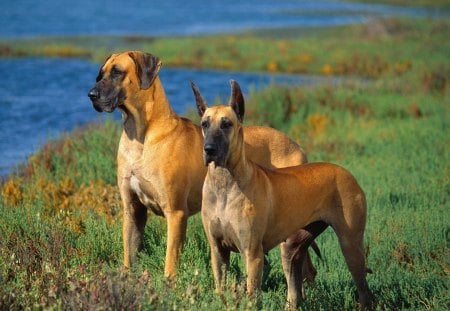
(237, 170)
(149, 107)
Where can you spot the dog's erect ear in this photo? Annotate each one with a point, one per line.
(100, 72)
(199, 100)
(237, 100)
(147, 67)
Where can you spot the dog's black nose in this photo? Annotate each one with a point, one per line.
(93, 94)
(210, 149)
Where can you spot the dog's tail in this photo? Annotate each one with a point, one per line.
(316, 249)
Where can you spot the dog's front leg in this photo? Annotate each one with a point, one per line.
(220, 260)
(176, 234)
(134, 220)
(254, 262)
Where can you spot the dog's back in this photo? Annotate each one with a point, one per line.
(271, 148)
(316, 192)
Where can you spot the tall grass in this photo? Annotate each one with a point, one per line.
(60, 231)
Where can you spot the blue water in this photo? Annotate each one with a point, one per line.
(179, 17)
(41, 98)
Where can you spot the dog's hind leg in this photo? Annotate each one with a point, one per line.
(349, 227)
(353, 250)
(296, 261)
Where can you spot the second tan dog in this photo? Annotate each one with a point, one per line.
(250, 209)
(159, 159)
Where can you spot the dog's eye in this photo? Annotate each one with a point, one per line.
(205, 124)
(99, 76)
(116, 72)
(225, 124)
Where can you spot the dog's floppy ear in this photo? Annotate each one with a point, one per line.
(100, 72)
(237, 100)
(147, 67)
(199, 100)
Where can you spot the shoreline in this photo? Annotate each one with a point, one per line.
(287, 50)
(317, 53)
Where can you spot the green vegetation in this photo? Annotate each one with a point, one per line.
(370, 50)
(60, 233)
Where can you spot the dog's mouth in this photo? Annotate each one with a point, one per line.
(107, 101)
(104, 106)
(110, 104)
(214, 151)
(208, 159)
(217, 160)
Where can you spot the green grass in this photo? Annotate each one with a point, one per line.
(370, 50)
(60, 232)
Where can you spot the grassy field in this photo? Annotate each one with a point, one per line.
(60, 232)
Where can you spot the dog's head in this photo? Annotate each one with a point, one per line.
(120, 75)
(221, 126)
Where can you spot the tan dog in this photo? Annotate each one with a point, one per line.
(250, 209)
(159, 159)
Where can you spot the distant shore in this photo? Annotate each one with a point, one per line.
(291, 50)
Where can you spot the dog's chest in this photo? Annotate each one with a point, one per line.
(228, 222)
(146, 193)
(225, 233)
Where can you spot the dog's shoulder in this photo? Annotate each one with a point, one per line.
(189, 125)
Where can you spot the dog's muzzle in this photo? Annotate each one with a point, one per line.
(100, 104)
(94, 96)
